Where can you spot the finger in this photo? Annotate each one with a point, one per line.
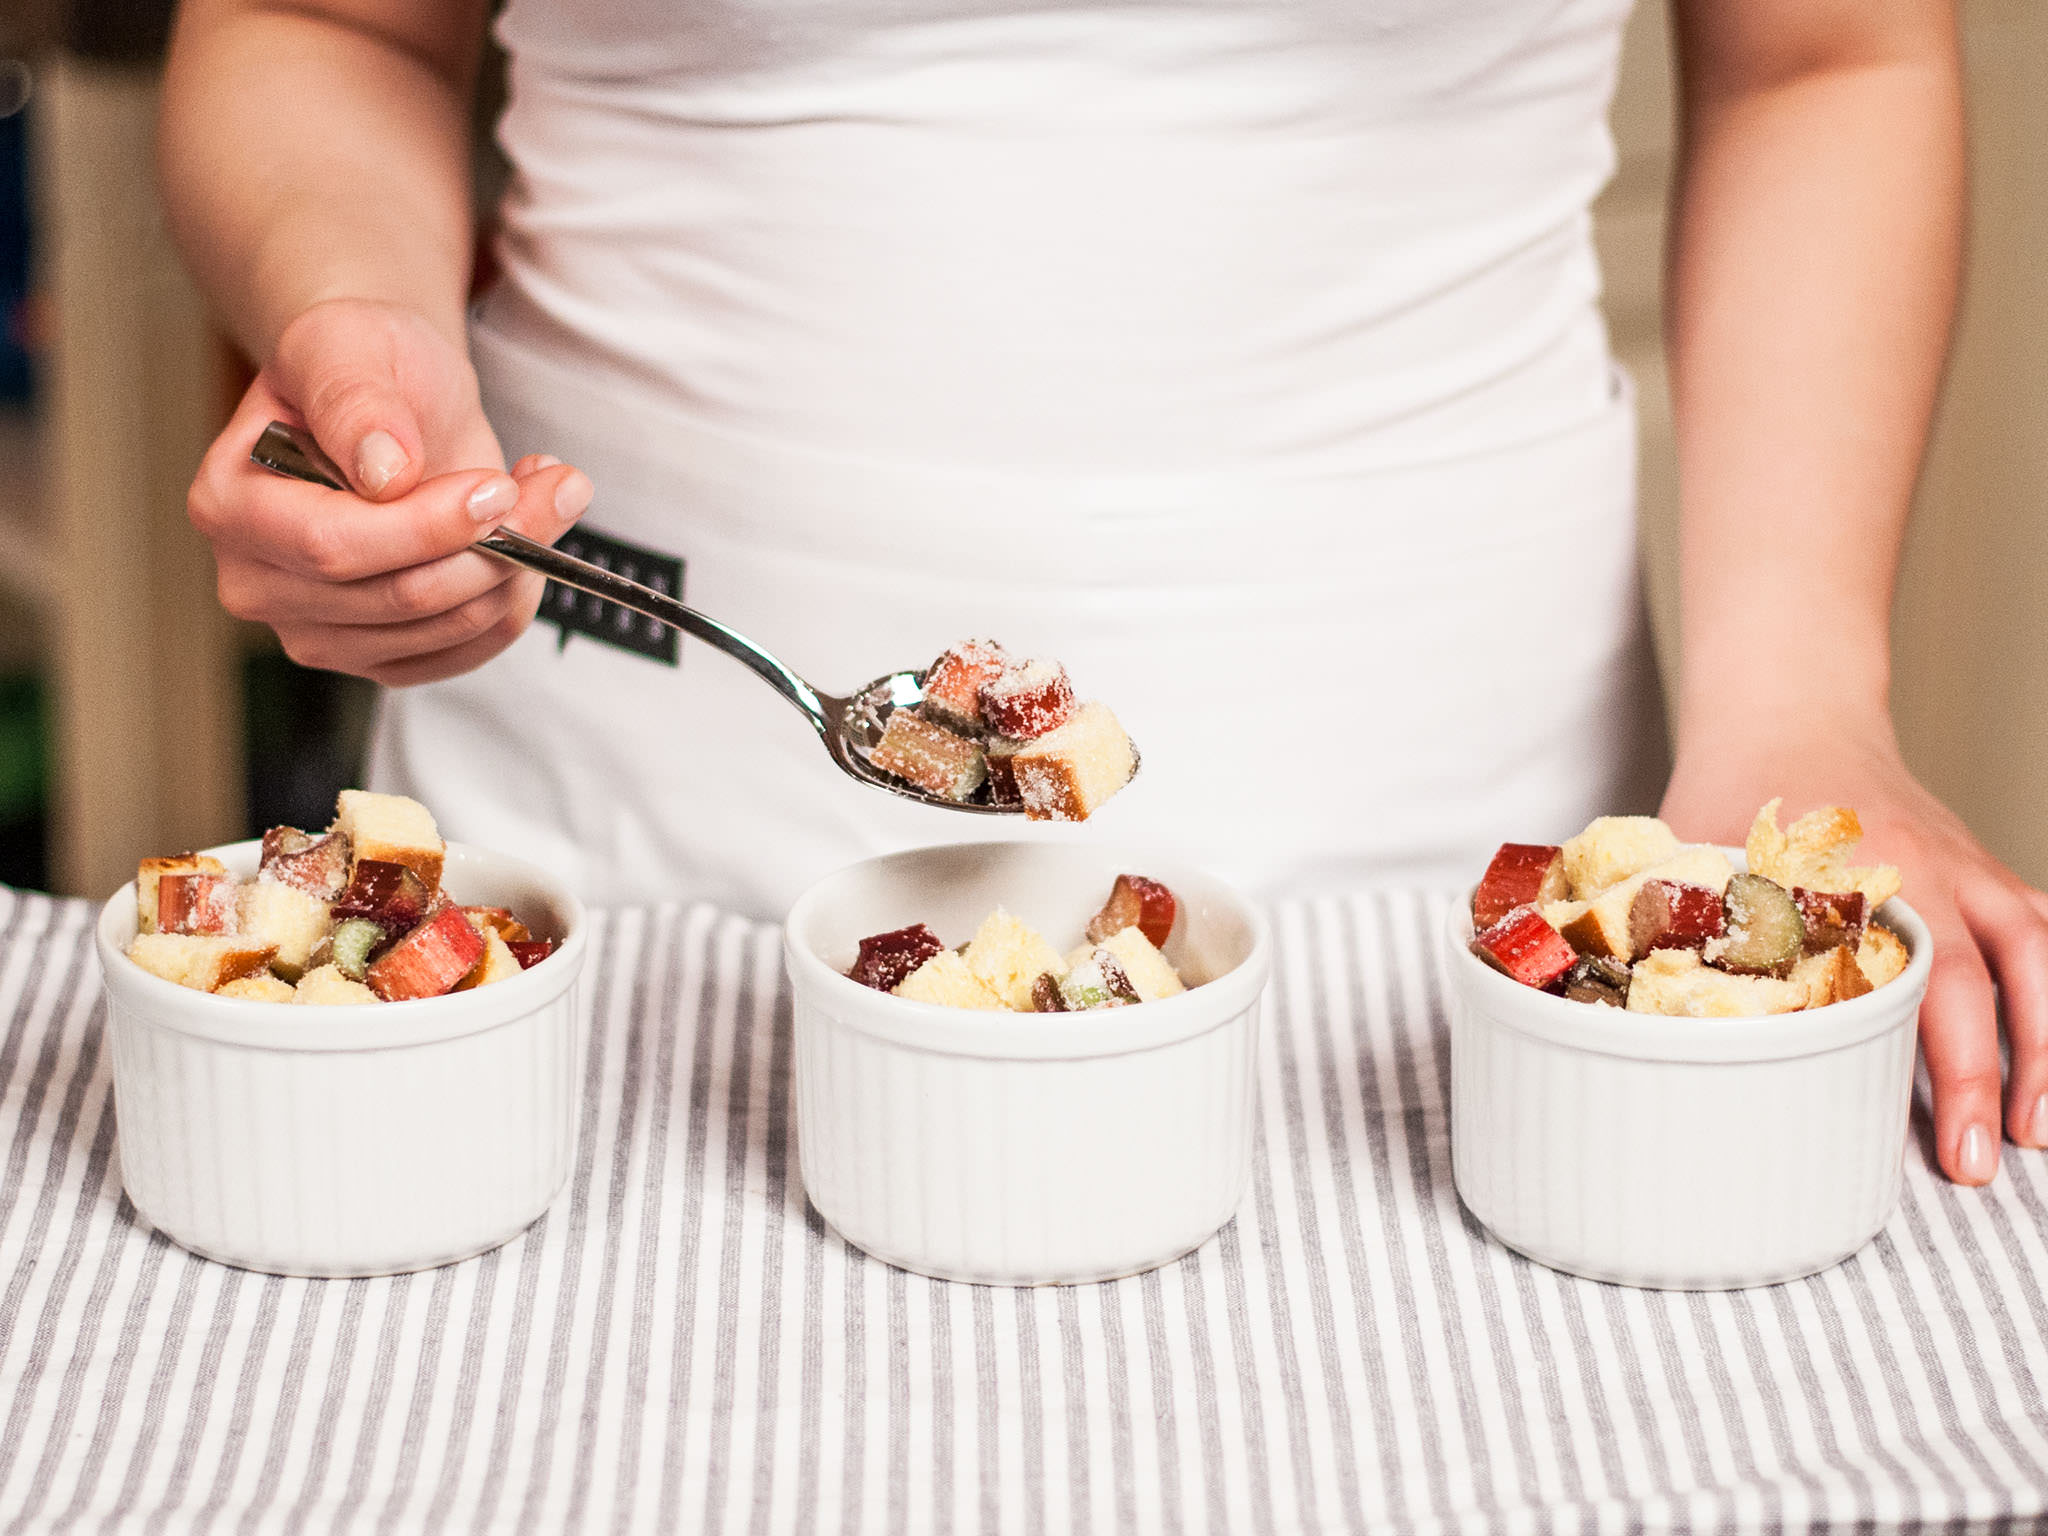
(2038, 900)
(367, 649)
(466, 658)
(1959, 1034)
(2014, 937)
(352, 399)
(252, 589)
(532, 464)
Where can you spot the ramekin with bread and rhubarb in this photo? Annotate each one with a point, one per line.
(343, 1051)
(1679, 1065)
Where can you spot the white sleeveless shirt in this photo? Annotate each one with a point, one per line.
(1243, 354)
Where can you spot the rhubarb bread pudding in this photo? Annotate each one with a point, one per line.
(353, 914)
(998, 729)
(1625, 915)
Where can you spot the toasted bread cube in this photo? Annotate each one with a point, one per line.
(272, 911)
(392, 829)
(500, 920)
(1831, 976)
(1676, 983)
(945, 979)
(1150, 971)
(201, 961)
(1066, 774)
(325, 987)
(1007, 956)
(498, 964)
(150, 871)
(936, 760)
(1602, 929)
(1882, 955)
(1611, 849)
(265, 988)
(1562, 914)
(1813, 853)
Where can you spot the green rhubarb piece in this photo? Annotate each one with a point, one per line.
(354, 938)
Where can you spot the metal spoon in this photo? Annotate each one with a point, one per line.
(849, 726)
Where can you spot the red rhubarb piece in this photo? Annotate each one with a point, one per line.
(386, 893)
(1027, 699)
(195, 903)
(1135, 902)
(886, 958)
(1520, 875)
(1525, 948)
(1668, 914)
(530, 952)
(428, 961)
(316, 865)
(1833, 918)
(953, 683)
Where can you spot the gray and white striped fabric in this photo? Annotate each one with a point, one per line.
(680, 1345)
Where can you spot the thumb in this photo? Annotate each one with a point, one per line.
(368, 428)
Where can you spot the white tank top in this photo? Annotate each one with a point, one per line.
(1242, 353)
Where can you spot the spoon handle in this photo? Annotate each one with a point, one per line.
(288, 451)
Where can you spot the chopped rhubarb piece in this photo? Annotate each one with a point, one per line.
(151, 871)
(318, 866)
(1832, 918)
(1046, 996)
(1668, 914)
(1597, 979)
(1097, 980)
(1000, 753)
(1027, 699)
(530, 952)
(195, 903)
(428, 961)
(953, 683)
(387, 893)
(1765, 933)
(933, 758)
(1135, 902)
(501, 921)
(1525, 948)
(352, 943)
(887, 958)
(1521, 875)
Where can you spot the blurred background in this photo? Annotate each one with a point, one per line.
(135, 717)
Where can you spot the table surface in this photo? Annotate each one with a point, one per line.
(681, 1345)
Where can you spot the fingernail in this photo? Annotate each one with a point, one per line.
(379, 461)
(545, 461)
(1973, 1159)
(494, 498)
(573, 495)
(2041, 1121)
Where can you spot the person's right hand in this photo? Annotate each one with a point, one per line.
(380, 583)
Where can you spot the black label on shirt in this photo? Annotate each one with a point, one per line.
(578, 613)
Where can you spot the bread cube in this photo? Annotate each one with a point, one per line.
(202, 962)
(150, 871)
(1602, 929)
(393, 829)
(1066, 774)
(1007, 956)
(936, 760)
(1611, 849)
(325, 987)
(498, 964)
(264, 988)
(1881, 955)
(1678, 984)
(1813, 853)
(1562, 914)
(1150, 972)
(945, 979)
(1830, 976)
(953, 684)
(272, 911)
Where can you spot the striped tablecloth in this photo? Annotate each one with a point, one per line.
(680, 1345)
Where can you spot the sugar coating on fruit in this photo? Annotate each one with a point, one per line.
(1027, 699)
(428, 961)
(1611, 849)
(1136, 901)
(1520, 875)
(1602, 929)
(1007, 956)
(1067, 774)
(151, 871)
(946, 980)
(886, 958)
(953, 683)
(194, 902)
(936, 760)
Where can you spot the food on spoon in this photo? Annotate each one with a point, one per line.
(1000, 753)
(1764, 933)
(1524, 948)
(1026, 699)
(1136, 902)
(1066, 774)
(953, 684)
(936, 760)
(352, 914)
(1009, 965)
(1684, 934)
(1832, 918)
(1521, 875)
(1667, 914)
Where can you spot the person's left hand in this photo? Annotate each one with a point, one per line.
(1989, 926)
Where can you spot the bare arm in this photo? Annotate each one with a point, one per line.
(315, 163)
(1816, 247)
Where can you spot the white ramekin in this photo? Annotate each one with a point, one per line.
(1680, 1154)
(359, 1140)
(1023, 1149)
